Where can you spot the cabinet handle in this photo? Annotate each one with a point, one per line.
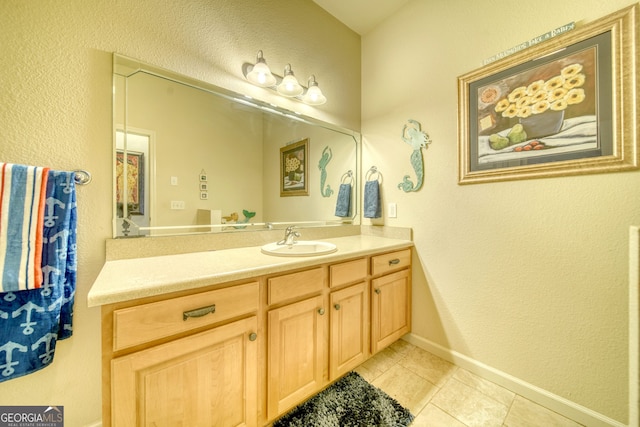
(199, 312)
(377, 291)
(394, 261)
(321, 311)
(253, 336)
(337, 306)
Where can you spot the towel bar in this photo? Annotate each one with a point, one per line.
(347, 176)
(81, 177)
(371, 172)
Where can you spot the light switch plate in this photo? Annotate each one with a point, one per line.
(393, 210)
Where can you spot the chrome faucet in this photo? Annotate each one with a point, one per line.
(290, 236)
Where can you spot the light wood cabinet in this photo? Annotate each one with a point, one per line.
(243, 353)
(389, 262)
(206, 379)
(296, 353)
(310, 342)
(290, 287)
(188, 359)
(390, 309)
(348, 272)
(148, 322)
(349, 338)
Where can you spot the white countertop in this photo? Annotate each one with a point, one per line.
(128, 279)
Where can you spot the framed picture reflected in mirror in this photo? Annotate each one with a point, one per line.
(294, 171)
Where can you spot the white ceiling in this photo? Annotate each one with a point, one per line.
(361, 15)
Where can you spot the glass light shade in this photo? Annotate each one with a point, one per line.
(314, 95)
(260, 74)
(289, 85)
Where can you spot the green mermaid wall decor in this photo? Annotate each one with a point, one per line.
(413, 135)
(322, 164)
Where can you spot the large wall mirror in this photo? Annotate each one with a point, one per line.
(190, 157)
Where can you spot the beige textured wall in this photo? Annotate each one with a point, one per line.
(55, 110)
(527, 277)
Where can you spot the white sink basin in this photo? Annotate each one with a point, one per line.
(300, 248)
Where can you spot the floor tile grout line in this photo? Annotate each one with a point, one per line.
(451, 415)
(509, 411)
(396, 357)
(436, 386)
(487, 395)
(451, 377)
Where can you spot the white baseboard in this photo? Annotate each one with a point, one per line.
(549, 400)
(634, 326)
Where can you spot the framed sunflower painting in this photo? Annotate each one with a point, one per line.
(563, 107)
(294, 178)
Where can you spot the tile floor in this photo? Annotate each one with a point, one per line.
(441, 394)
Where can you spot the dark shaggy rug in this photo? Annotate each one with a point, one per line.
(349, 402)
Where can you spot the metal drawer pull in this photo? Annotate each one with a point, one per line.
(337, 306)
(378, 291)
(321, 311)
(199, 312)
(394, 261)
(253, 336)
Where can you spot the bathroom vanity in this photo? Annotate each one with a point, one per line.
(237, 337)
(233, 336)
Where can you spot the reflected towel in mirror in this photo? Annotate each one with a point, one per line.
(343, 204)
(372, 206)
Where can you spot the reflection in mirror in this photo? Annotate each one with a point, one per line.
(190, 157)
(135, 188)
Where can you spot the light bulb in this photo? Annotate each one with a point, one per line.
(260, 74)
(314, 95)
(289, 85)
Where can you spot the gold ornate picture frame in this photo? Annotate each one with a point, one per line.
(566, 106)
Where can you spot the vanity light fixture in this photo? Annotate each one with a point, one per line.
(289, 85)
(260, 75)
(314, 95)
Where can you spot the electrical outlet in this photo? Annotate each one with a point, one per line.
(174, 180)
(393, 210)
(177, 204)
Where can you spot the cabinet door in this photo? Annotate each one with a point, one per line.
(349, 318)
(391, 309)
(296, 353)
(206, 379)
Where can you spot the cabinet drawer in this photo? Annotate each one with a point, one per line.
(148, 322)
(295, 285)
(382, 264)
(347, 272)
